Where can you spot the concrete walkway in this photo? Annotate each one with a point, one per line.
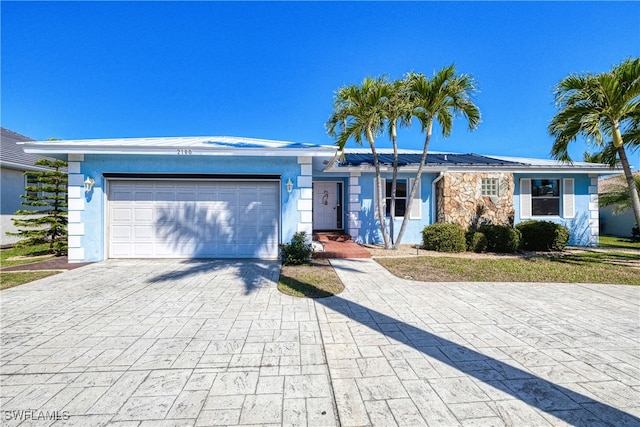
(175, 342)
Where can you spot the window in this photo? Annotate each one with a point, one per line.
(489, 186)
(401, 197)
(403, 187)
(545, 197)
(32, 181)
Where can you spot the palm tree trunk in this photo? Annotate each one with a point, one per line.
(379, 201)
(633, 191)
(394, 185)
(412, 195)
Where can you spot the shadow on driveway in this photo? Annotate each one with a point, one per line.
(567, 405)
(253, 273)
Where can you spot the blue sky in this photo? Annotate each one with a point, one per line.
(74, 70)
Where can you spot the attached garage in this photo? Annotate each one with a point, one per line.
(186, 197)
(215, 218)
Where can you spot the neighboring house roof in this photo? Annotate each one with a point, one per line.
(361, 159)
(613, 183)
(203, 145)
(11, 154)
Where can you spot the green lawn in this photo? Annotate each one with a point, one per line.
(314, 280)
(588, 267)
(618, 242)
(27, 253)
(24, 256)
(15, 278)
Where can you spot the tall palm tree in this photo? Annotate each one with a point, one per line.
(439, 99)
(608, 155)
(399, 112)
(359, 112)
(602, 107)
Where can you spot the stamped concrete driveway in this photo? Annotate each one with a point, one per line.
(174, 342)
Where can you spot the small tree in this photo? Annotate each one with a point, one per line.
(46, 220)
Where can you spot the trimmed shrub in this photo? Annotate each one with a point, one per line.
(543, 235)
(476, 241)
(501, 238)
(298, 251)
(443, 237)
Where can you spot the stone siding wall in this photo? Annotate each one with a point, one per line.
(460, 199)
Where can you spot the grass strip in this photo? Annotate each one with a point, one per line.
(316, 279)
(33, 251)
(612, 268)
(618, 242)
(16, 278)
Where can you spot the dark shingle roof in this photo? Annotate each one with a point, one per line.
(13, 153)
(357, 159)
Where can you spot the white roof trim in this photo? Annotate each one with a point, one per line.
(22, 167)
(212, 145)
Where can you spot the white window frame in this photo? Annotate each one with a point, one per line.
(387, 198)
(566, 198)
(415, 212)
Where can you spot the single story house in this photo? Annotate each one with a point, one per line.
(14, 162)
(227, 197)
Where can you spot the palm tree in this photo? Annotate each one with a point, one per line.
(602, 107)
(439, 99)
(399, 112)
(359, 112)
(608, 155)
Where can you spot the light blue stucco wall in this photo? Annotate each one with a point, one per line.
(13, 183)
(370, 227)
(581, 225)
(95, 207)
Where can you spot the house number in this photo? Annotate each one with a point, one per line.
(184, 152)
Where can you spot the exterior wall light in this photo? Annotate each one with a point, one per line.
(289, 186)
(88, 184)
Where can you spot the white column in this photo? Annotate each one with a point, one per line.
(75, 195)
(594, 211)
(354, 207)
(305, 202)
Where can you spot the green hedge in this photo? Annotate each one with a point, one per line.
(543, 236)
(443, 237)
(476, 241)
(501, 238)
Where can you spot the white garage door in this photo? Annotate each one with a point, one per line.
(186, 219)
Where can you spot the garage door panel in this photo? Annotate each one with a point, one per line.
(143, 250)
(166, 195)
(186, 219)
(121, 214)
(143, 214)
(143, 232)
(121, 232)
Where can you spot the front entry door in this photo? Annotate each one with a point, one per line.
(326, 205)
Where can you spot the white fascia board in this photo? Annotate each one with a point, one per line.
(207, 146)
(22, 167)
(186, 150)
